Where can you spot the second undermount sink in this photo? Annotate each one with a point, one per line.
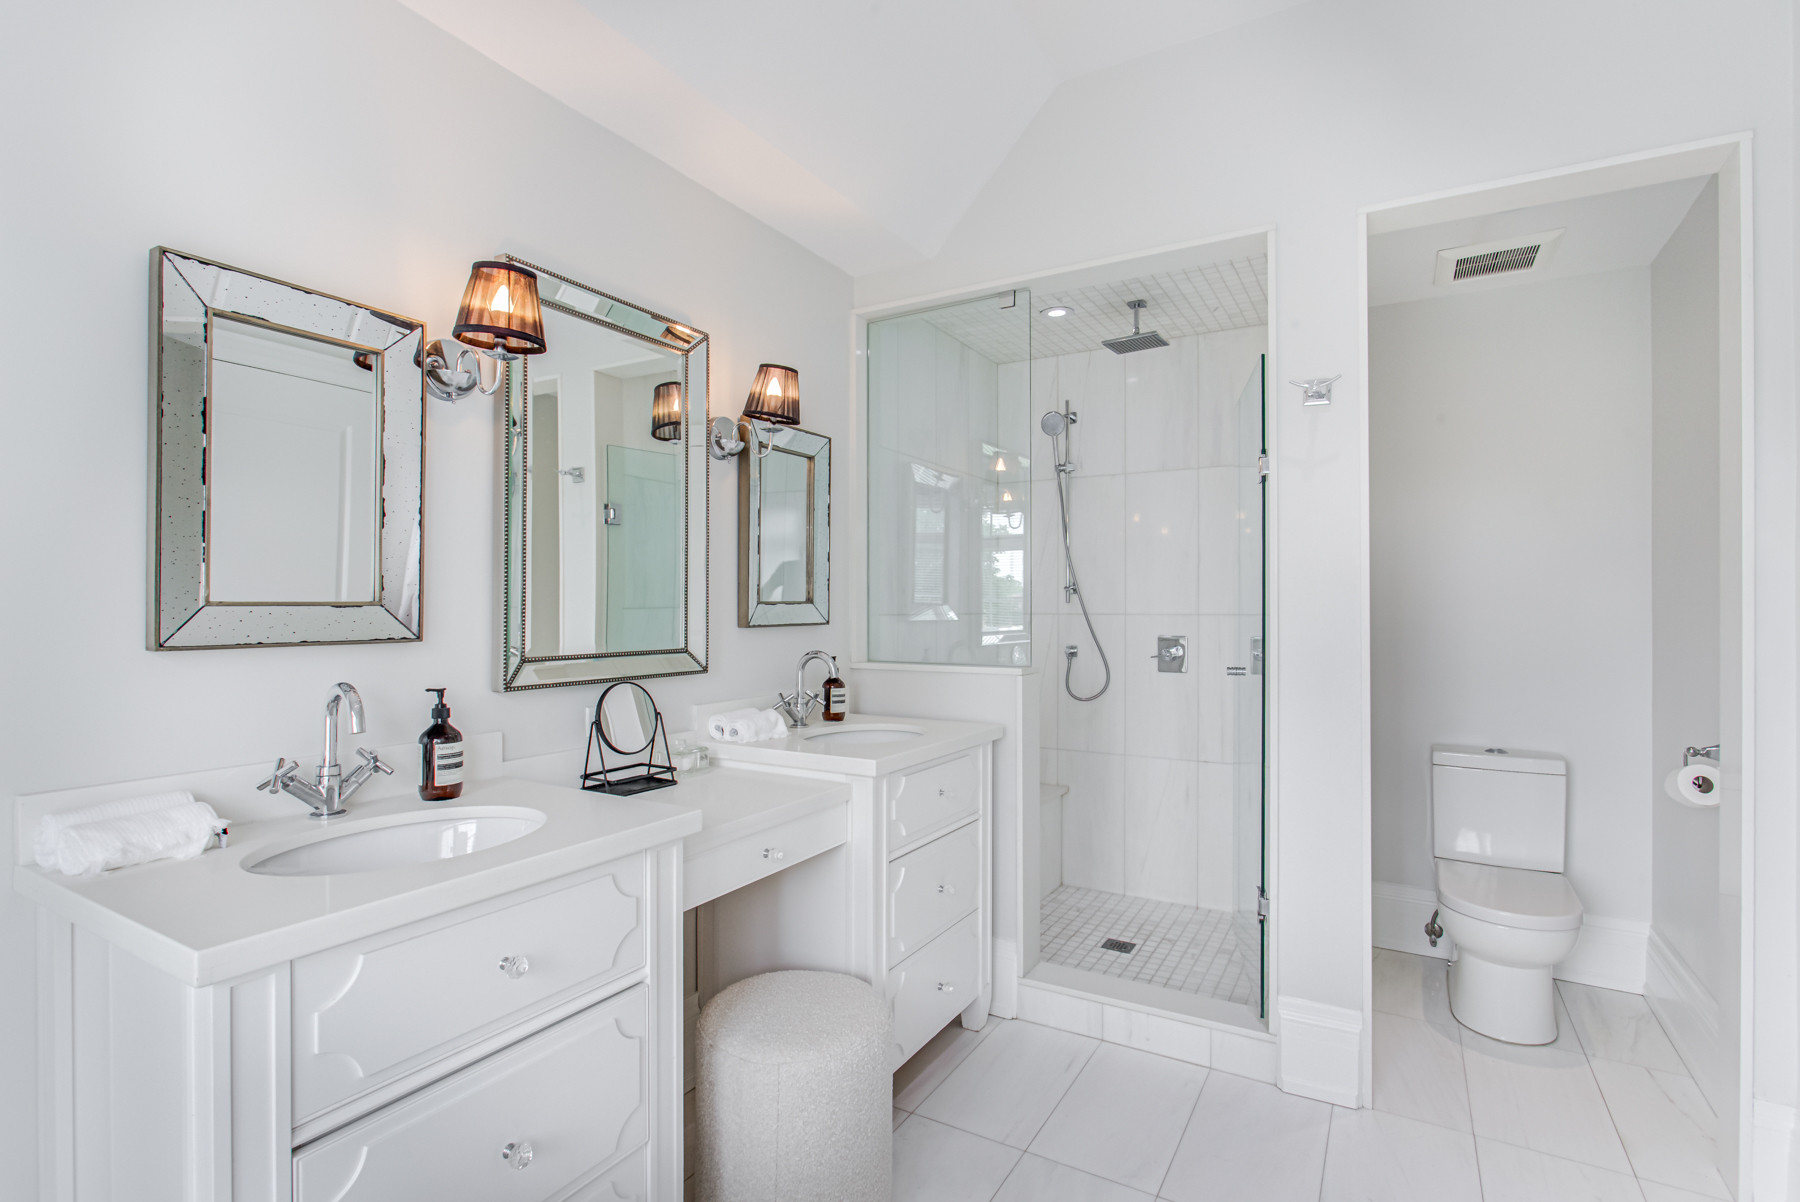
(851, 734)
(413, 839)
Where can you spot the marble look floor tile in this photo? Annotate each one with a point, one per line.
(1412, 986)
(1010, 1083)
(1123, 1117)
(914, 1080)
(1510, 1174)
(1542, 1098)
(1378, 1157)
(938, 1163)
(1618, 1026)
(1666, 1125)
(1247, 1140)
(1419, 1072)
(1038, 1180)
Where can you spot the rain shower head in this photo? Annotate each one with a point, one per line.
(1055, 423)
(1135, 341)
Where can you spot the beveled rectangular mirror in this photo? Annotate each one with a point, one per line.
(784, 528)
(604, 492)
(287, 434)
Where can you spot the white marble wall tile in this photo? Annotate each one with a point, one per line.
(1225, 364)
(1161, 414)
(1419, 1072)
(1161, 821)
(1048, 571)
(1161, 708)
(1221, 529)
(1215, 644)
(1244, 1056)
(1162, 533)
(1048, 771)
(1097, 725)
(1510, 1174)
(1093, 820)
(1123, 1117)
(1216, 868)
(1093, 386)
(1061, 1011)
(1374, 1154)
(1619, 1026)
(1044, 397)
(1096, 527)
(1249, 1142)
(1046, 658)
(1666, 1124)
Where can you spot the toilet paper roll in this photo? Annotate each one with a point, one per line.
(1696, 785)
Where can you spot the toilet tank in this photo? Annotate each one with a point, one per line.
(1492, 805)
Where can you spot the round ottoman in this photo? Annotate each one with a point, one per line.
(795, 1099)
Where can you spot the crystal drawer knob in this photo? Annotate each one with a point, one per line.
(515, 967)
(774, 853)
(517, 1155)
(942, 792)
(946, 987)
(946, 888)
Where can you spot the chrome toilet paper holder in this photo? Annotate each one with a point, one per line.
(1699, 753)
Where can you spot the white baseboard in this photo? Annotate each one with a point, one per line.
(1771, 1150)
(1610, 953)
(1321, 1051)
(1689, 1013)
(1005, 1002)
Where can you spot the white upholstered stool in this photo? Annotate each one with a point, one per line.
(795, 1101)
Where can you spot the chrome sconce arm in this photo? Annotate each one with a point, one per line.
(451, 381)
(724, 442)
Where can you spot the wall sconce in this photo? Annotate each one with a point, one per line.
(774, 398)
(665, 412)
(499, 319)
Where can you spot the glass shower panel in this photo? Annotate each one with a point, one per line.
(1250, 808)
(950, 484)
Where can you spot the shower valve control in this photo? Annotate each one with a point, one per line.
(1171, 653)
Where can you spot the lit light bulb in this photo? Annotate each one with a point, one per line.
(1006, 496)
(1000, 463)
(502, 301)
(775, 386)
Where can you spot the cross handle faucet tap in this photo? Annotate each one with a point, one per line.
(331, 787)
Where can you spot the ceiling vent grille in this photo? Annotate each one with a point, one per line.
(1511, 256)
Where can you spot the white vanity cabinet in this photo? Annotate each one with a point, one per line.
(522, 1047)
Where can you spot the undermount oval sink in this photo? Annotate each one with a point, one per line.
(415, 839)
(845, 736)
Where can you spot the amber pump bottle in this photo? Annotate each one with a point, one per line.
(837, 697)
(440, 755)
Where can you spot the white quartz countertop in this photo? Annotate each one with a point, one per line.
(813, 747)
(735, 804)
(208, 919)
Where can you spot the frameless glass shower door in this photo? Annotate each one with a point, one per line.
(1249, 655)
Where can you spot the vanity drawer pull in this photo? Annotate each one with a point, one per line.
(946, 888)
(942, 792)
(774, 853)
(515, 967)
(946, 987)
(517, 1155)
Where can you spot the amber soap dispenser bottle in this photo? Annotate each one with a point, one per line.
(440, 755)
(837, 696)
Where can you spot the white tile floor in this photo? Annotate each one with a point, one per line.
(1022, 1113)
(1178, 947)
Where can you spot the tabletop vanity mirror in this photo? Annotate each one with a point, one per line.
(604, 485)
(784, 528)
(287, 450)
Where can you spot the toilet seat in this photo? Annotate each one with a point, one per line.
(1511, 897)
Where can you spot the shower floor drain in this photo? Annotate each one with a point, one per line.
(1117, 945)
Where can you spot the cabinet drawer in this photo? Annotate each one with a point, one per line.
(627, 1181)
(575, 1094)
(932, 887)
(922, 801)
(374, 1010)
(933, 986)
(718, 870)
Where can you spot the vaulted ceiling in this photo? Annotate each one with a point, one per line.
(862, 129)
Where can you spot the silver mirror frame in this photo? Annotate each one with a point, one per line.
(186, 291)
(519, 671)
(752, 609)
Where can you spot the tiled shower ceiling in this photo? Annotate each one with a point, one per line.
(1233, 295)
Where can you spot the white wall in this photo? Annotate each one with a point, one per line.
(1509, 514)
(1299, 120)
(1153, 764)
(322, 143)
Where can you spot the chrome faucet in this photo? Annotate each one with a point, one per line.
(802, 703)
(328, 794)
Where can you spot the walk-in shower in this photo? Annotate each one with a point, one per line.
(1056, 423)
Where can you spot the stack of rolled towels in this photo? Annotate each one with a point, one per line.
(117, 833)
(746, 726)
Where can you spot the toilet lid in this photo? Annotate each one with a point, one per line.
(1511, 897)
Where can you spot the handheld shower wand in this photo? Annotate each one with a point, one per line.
(1056, 424)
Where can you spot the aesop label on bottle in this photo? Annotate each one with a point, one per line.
(839, 698)
(449, 763)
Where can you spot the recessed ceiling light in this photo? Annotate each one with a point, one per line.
(1055, 311)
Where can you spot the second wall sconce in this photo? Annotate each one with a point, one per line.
(499, 318)
(774, 398)
(665, 412)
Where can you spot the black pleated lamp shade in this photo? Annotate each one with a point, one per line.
(775, 397)
(500, 313)
(665, 412)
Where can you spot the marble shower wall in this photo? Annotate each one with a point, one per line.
(1155, 520)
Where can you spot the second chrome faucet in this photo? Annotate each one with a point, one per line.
(331, 788)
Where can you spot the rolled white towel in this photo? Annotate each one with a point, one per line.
(747, 726)
(719, 725)
(119, 833)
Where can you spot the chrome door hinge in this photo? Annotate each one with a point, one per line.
(1262, 905)
(1262, 465)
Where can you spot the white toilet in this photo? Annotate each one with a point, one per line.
(1497, 832)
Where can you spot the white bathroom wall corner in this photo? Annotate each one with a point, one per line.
(1401, 912)
(1609, 955)
(1320, 1051)
(1772, 1151)
(1006, 979)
